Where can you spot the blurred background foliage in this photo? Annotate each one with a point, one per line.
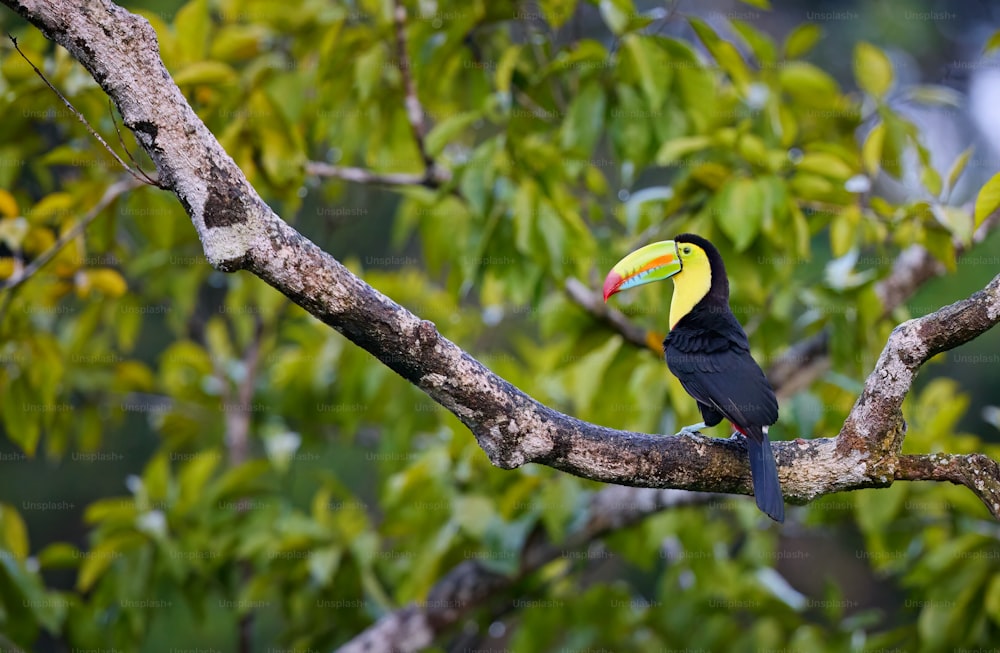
(186, 453)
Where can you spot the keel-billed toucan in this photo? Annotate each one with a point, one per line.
(708, 351)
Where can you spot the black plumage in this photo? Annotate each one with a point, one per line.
(708, 351)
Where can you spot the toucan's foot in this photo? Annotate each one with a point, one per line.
(691, 430)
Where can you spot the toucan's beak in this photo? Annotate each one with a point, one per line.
(651, 263)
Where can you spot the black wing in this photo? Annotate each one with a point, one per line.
(711, 357)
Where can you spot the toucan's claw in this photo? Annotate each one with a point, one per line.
(691, 430)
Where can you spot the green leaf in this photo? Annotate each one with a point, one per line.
(941, 246)
(992, 599)
(13, 532)
(931, 180)
(675, 149)
(801, 40)
(557, 12)
(195, 473)
(54, 206)
(205, 72)
(872, 69)
(826, 164)
(616, 14)
(761, 44)
(23, 427)
(239, 481)
(644, 56)
(236, 42)
(59, 555)
(843, 229)
(560, 498)
(808, 85)
(506, 68)
(988, 199)
(956, 220)
(587, 373)
(958, 167)
(97, 560)
(738, 210)
(473, 513)
(724, 52)
(584, 121)
(448, 129)
(192, 24)
(368, 71)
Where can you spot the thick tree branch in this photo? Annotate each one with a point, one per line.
(979, 473)
(875, 424)
(239, 231)
(807, 359)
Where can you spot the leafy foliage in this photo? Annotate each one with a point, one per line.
(354, 493)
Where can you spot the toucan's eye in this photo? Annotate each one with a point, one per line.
(686, 250)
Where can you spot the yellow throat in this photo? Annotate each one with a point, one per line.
(692, 283)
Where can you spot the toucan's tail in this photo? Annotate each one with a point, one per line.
(764, 471)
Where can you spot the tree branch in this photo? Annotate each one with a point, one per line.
(806, 360)
(414, 110)
(110, 195)
(239, 231)
(979, 473)
(471, 583)
(591, 302)
(140, 175)
(365, 176)
(434, 175)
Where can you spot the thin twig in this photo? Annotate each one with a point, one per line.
(414, 110)
(121, 141)
(112, 193)
(365, 176)
(434, 175)
(591, 302)
(80, 116)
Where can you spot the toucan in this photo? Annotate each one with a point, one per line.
(708, 351)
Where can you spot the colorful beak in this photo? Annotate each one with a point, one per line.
(654, 262)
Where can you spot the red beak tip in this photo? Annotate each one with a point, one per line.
(611, 284)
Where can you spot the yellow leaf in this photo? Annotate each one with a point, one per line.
(992, 43)
(842, 230)
(8, 205)
(97, 560)
(205, 72)
(801, 40)
(872, 69)
(988, 199)
(107, 280)
(828, 165)
(54, 205)
(871, 151)
(13, 531)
